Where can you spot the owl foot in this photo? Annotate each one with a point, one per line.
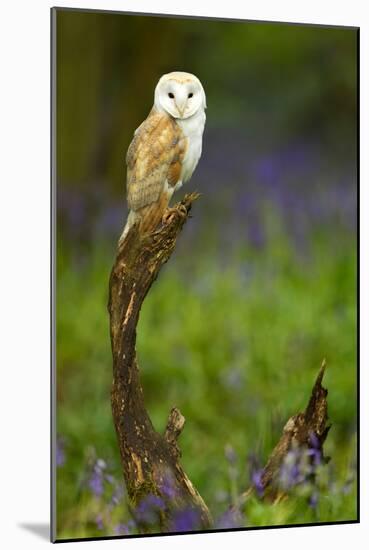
(171, 213)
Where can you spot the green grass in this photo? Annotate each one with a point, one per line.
(236, 347)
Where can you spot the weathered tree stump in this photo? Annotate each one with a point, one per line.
(304, 430)
(150, 460)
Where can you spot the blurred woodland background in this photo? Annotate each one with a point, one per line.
(262, 285)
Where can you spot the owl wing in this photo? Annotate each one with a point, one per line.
(154, 157)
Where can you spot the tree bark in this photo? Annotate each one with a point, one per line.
(150, 460)
(304, 430)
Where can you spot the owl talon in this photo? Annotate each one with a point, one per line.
(182, 210)
(171, 213)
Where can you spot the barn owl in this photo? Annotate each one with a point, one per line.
(165, 149)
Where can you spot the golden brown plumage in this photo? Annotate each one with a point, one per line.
(165, 149)
(154, 156)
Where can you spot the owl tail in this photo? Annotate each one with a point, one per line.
(130, 221)
(148, 217)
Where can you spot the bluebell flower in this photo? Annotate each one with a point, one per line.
(95, 483)
(168, 486)
(291, 473)
(60, 452)
(257, 481)
(256, 474)
(314, 450)
(187, 519)
(124, 528)
(97, 476)
(313, 500)
(149, 509)
(99, 522)
(231, 519)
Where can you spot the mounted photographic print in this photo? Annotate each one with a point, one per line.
(204, 269)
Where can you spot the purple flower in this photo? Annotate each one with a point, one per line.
(291, 473)
(256, 474)
(314, 450)
(60, 452)
(295, 474)
(99, 522)
(187, 519)
(314, 440)
(96, 479)
(95, 484)
(313, 500)
(148, 510)
(257, 481)
(124, 528)
(230, 519)
(168, 488)
(121, 529)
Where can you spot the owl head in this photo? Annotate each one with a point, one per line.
(180, 94)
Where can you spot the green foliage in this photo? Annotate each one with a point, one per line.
(235, 347)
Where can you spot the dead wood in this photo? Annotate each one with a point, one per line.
(150, 460)
(304, 430)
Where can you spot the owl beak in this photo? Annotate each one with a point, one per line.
(181, 107)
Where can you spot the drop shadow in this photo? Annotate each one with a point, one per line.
(42, 530)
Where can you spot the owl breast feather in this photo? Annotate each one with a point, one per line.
(193, 129)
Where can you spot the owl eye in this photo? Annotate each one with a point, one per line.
(171, 95)
(190, 94)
